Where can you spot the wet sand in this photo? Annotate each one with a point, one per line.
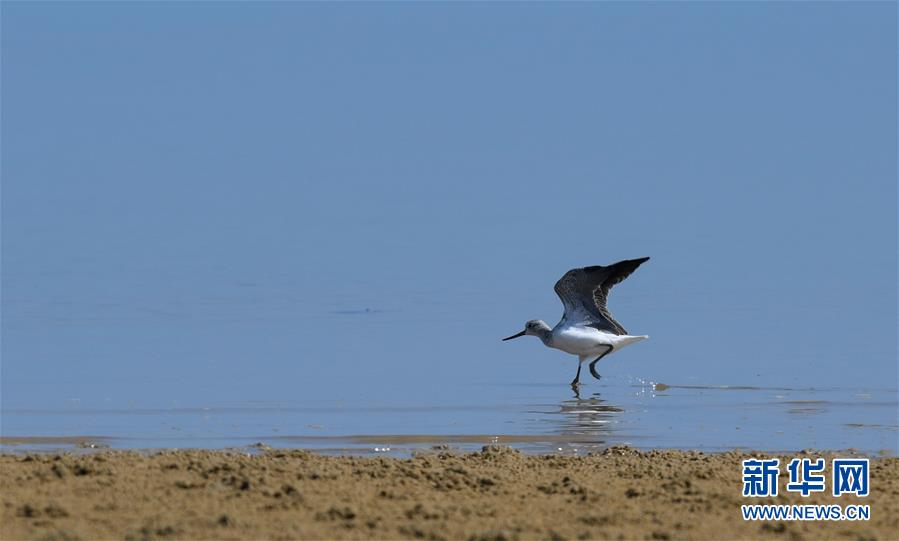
(495, 494)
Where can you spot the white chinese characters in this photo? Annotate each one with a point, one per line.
(806, 476)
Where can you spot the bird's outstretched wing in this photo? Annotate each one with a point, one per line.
(584, 293)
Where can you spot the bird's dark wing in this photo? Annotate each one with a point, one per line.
(584, 293)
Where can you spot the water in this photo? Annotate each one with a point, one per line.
(532, 417)
(310, 225)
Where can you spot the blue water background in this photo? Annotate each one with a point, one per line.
(319, 219)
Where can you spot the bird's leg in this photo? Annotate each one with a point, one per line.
(577, 378)
(596, 360)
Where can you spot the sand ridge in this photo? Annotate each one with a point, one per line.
(496, 494)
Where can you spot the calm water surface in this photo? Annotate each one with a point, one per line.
(533, 417)
(310, 224)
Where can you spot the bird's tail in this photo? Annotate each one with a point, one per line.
(627, 340)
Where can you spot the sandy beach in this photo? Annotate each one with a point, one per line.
(495, 494)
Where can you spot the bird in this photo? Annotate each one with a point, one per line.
(587, 328)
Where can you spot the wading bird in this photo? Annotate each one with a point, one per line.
(587, 328)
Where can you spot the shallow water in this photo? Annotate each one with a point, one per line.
(310, 224)
(534, 418)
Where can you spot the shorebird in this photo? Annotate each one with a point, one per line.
(587, 328)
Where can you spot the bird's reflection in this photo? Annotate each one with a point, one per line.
(586, 421)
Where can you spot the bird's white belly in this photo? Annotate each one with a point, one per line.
(582, 340)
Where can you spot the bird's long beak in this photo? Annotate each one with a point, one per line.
(522, 333)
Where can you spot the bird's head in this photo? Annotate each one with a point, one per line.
(534, 327)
